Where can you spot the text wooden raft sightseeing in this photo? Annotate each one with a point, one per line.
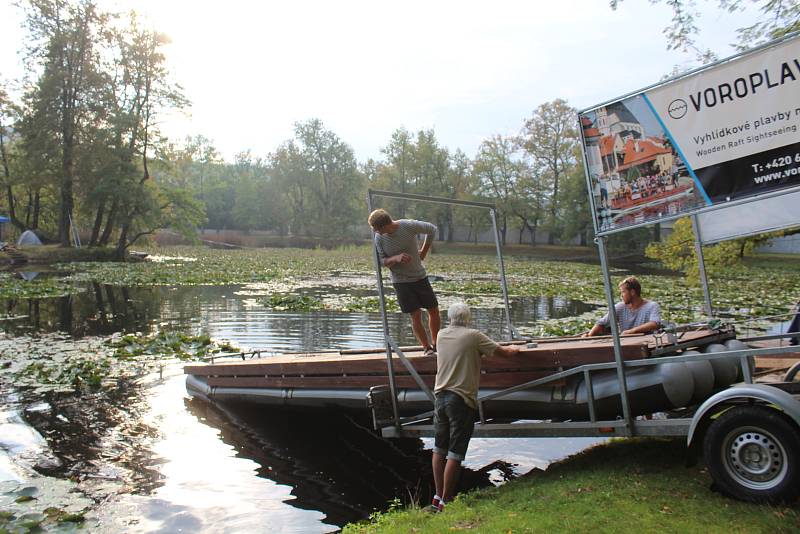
(363, 368)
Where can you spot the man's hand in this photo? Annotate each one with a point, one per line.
(399, 258)
(506, 350)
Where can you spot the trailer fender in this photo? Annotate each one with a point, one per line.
(759, 392)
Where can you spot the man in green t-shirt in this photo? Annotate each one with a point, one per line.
(458, 369)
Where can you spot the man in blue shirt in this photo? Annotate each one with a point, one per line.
(634, 314)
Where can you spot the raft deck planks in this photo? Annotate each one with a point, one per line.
(363, 369)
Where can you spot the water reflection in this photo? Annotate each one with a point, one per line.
(238, 469)
(224, 314)
(194, 467)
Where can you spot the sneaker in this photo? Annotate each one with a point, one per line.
(430, 351)
(431, 509)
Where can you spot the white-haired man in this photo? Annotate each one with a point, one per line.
(458, 368)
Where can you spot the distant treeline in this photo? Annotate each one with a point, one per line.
(81, 150)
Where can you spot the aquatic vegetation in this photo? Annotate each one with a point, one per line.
(14, 287)
(288, 279)
(292, 302)
(54, 362)
(362, 304)
(167, 344)
(23, 507)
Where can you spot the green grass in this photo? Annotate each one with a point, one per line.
(633, 486)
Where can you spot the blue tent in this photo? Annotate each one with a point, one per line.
(3, 220)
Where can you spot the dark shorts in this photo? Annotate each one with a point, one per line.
(415, 295)
(453, 423)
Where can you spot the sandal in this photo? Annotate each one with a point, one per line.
(430, 351)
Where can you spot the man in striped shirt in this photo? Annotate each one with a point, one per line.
(398, 249)
(635, 315)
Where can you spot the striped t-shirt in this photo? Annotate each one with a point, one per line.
(404, 239)
(628, 318)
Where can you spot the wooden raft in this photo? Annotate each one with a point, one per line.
(367, 367)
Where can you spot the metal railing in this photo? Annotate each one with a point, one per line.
(391, 345)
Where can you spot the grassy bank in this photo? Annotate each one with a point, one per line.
(626, 486)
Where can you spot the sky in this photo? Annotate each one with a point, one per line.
(466, 69)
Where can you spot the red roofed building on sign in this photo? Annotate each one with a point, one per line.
(644, 151)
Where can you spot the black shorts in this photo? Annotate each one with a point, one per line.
(412, 296)
(453, 422)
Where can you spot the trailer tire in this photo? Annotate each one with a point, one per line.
(753, 454)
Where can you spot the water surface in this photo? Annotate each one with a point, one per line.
(163, 462)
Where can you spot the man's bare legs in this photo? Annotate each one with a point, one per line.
(419, 329)
(437, 464)
(445, 476)
(435, 323)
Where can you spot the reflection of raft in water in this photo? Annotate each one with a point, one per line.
(342, 379)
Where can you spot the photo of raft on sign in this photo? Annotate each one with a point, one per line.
(636, 174)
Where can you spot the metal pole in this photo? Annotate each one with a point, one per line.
(587, 379)
(612, 321)
(386, 338)
(428, 198)
(512, 332)
(701, 264)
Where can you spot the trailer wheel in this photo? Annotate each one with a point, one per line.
(753, 454)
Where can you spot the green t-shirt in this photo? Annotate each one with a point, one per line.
(458, 364)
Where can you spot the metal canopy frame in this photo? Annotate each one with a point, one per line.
(391, 344)
(626, 427)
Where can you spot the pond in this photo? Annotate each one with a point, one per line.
(157, 460)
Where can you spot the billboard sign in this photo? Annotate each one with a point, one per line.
(726, 132)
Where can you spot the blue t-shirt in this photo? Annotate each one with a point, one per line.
(628, 318)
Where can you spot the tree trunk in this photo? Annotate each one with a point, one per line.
(37, 209)
(9, 192)
(122, 243)
(104, 239)
(450, 229)
(98, 223)
(29, 209)
(67, 169)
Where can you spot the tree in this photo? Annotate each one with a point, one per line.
(145, 92)
(7, 114)
(460, 184)
(334, 176)
(575, 210)
(430, 176)
(778, 18)
(66, 101)
(395, 173)
(550, 138)
(500, 175)
(677, 251)
(256, 204)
